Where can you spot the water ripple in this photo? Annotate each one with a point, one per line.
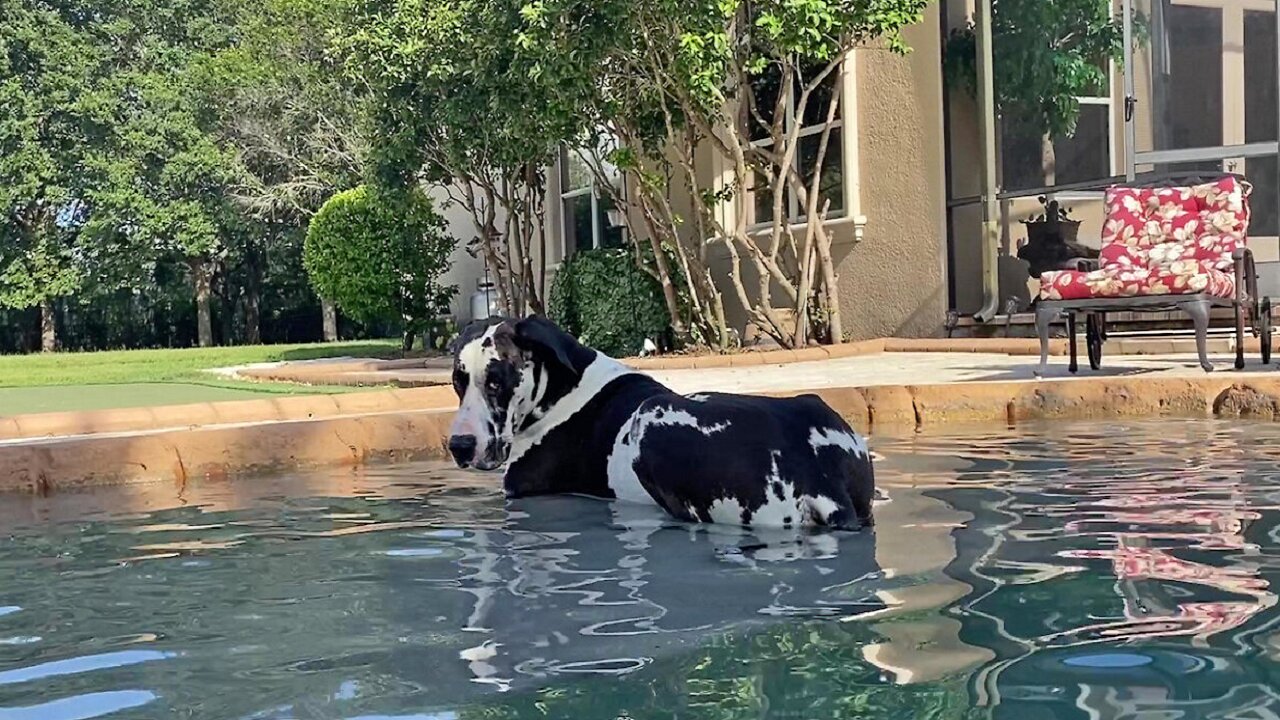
(80, 707)
(83, 664)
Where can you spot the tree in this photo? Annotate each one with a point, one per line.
(163, 185)
(679, 83)
(48, 95)
(454, 104)
(294, 120)
(1047, 54)
(380, 254)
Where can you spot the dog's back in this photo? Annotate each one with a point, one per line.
(770, 462)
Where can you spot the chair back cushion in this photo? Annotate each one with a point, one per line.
(1175, 229)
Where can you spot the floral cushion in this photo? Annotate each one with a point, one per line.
(1163, 241)
(1184, 278)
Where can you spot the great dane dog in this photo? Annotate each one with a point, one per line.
(564, 418)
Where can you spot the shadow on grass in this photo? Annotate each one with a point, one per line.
(385, 350)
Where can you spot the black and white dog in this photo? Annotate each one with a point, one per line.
(567, 419)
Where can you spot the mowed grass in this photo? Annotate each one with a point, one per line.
(137, 378)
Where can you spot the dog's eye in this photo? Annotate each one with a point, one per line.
(493, 386)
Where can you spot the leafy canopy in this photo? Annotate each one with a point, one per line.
(1047, 53)
(50, 75)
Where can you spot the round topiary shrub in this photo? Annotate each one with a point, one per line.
(379, 255)
(601, 297)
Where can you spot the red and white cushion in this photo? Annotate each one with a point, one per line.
(1163, 241)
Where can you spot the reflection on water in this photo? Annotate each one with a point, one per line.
(1078, 571)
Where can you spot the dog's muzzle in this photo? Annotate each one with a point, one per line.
(463, 449)
(467, 452)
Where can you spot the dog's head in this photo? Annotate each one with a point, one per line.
(503, 372)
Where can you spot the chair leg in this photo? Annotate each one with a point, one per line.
(1074, 367)
(1240, 335)
(1199, 312)
(1044, 320)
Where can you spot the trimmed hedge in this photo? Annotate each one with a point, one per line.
(602, 298)
(380, 256)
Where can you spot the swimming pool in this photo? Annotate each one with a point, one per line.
(1059, 571)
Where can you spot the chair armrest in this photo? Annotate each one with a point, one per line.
(1241, 253)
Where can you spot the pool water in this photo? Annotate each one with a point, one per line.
(1064, 571)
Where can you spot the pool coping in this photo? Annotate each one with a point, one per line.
(179, 444)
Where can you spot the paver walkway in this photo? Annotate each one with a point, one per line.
(932, 369)
(896, 368)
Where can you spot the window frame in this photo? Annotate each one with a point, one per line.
(795, 214)
(601, 224)
(1107, 100)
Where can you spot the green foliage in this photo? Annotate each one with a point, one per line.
(162, 185)
(380, 254)
(49, 89)
(452, 94)
(672, 80)
(607, 302)
(285, 106)
(1046, 53)
(706, 42)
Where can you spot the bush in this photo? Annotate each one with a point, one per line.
(379, 255)
(601, 297)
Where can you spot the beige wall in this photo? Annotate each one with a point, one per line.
(466, 271)
(894, 281)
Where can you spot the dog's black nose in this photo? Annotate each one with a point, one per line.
(463, 449)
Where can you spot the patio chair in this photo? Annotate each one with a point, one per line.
(1177, 242)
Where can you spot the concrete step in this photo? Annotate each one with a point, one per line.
(1218, 344)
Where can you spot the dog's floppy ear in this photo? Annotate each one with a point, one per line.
(536, 333)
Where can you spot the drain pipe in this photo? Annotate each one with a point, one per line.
(987, 148)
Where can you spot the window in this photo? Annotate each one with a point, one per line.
(831, 183)
(584, 206)
(1085, 156)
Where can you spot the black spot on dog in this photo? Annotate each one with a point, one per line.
(777, 490)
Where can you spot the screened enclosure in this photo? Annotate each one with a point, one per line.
(1066, 97)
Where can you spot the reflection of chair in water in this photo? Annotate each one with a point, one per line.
(1162, 539)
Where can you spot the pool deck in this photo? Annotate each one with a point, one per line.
(881, 386)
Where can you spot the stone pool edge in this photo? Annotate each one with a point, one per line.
(224, 440)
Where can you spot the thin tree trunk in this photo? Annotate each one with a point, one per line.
(253, 299)
(202, 275)
(1048, 160)
(48, 326)
(253, 315)
(329, 312)
(835, 323)
(227, 318)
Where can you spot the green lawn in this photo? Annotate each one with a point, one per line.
(138, 378)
